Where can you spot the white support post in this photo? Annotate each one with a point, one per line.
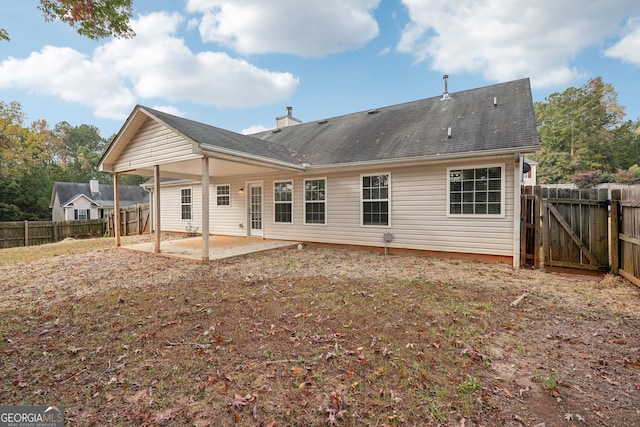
(116, 208)
(156, 206)
(205, 209)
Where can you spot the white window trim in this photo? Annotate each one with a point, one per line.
(293, 197)
(183, 204)
(215, 194)
(503, 195)
(304, 202)
(362, 224)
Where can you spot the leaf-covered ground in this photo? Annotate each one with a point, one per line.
(316, 337)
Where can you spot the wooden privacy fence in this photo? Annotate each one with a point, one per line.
(133, 220)
(29, 233)
(625, 230)
(581, 229)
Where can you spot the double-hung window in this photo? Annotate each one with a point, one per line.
(315, 201)
(375, 199)
(283, 201)
(476, 191)
(223, 195)
(185, 203)
(82, 214)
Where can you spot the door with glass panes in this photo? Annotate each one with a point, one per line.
(255, 210)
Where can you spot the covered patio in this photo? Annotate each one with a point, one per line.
(220, 247)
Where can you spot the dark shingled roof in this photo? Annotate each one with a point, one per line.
(419, 129)
(212, 136)
(129, 194)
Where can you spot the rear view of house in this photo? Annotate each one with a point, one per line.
(440, 174)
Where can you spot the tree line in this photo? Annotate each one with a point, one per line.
(585, 139)
(33, 157)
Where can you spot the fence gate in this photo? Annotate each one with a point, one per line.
(575, 228)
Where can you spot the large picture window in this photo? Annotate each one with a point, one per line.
(476, 191)
(315, 201)
(223, 195)
(375, 200)
(185, 203)
(283, 201)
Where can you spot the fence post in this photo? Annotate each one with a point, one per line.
(615, 231)
(26, 233)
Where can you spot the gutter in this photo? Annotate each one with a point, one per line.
(431, 159)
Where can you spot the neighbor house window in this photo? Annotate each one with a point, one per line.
(375, 199)
(223, 195)
(82, 214)
(185, 202)
(315, 201)
(476, 191)
(283, 201)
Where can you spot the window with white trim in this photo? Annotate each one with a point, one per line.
(223, 195)
(375, 200)
(185, 203)
(315, 201)
(82, 214)
(476, 191)
(283, 201)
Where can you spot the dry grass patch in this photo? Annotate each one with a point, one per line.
(316, 337)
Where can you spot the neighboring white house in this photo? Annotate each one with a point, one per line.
(76, 201)
(440, 174)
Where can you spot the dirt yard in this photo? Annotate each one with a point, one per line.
(318, 336)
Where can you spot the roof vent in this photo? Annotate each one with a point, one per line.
(445, 96)
(448, 133)
(321, 122)
(374, 111)
(495, 101)
(276, 130)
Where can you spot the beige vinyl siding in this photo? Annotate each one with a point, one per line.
(154, 144)
(418, 215)
(418, 211)
(229, 220)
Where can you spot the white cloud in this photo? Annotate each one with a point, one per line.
(155, 64)
(308, 28)
(254, 129)
(509, 39)
(628, 49)
(70, 75)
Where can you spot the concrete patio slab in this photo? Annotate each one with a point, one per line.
(219, 247)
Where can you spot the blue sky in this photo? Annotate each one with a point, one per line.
(238, 64)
